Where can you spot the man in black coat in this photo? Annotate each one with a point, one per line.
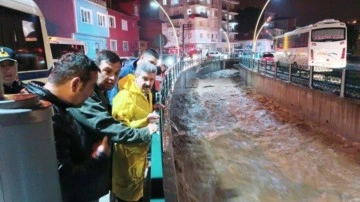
(80, 165)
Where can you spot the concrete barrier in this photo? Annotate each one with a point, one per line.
(324, 109)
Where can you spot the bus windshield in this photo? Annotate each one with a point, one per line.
(22, 32)
(328, 34)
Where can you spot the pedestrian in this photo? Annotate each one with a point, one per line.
(133, 107)
(129, 67)
(94, 116)
(69, 84)
(9, 71)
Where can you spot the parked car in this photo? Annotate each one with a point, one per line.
(268, 61)
(215, 54)
(267, 57)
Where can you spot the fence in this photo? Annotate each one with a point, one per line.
(342, 82)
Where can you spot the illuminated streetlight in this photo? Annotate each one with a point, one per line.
(227, 39)
(257, 23)
(156, 4)
(258, 33)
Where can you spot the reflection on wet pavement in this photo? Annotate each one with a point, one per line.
(237, 145)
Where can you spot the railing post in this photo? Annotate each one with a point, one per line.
(342, 90)
(290, 73)
(275, 73)
(311, 76)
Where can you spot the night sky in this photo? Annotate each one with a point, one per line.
(310, 11)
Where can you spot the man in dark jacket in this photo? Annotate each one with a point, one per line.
(79, 164)
(95, 114)
(129, 67)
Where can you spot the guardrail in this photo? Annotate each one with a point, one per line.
(341, 82)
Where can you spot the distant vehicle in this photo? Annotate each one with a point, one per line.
(267, 61)
(215, 54)
(267, 57)
(59, 46)
(322, 45)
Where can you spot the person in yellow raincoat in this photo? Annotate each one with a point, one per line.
(132, 106)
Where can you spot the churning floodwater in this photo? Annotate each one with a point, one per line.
(236, 145)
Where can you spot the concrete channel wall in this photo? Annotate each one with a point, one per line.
(324, 109)
(183, 84)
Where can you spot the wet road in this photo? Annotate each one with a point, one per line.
(236, 145)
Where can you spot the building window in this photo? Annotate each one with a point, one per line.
(201, 35)
(113, 45)
(101, 20)
(86, 15)
(125, 46)
(124, 25)
(136, 10)
(112, 22)
(189, 35)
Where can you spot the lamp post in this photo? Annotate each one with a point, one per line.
(227, 39)
(257, 23)
(172, 25)
(258, 33)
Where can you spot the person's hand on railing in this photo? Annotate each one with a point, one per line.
(153, 128)
(153, 117)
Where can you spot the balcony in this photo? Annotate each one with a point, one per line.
(99, 2)
(178, 16)
(196, 2)
(199, 15)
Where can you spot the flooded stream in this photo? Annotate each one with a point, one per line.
(237, 145)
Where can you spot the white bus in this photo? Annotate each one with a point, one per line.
(60, 46)
(22, 28)
(322, 45)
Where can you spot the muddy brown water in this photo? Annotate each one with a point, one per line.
(237, 145)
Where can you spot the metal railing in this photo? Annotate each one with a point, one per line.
(341, 82)
(156, 157)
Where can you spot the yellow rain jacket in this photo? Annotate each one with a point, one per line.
(131, 107)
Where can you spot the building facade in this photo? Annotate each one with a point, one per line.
(199, 24)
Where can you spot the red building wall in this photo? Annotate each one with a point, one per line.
(60, 21)
(131, 35)
(149, 29)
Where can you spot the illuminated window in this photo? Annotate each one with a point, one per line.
(124, 25)
(164, 2)
(113, 45)
(86, 15)
(112, 22)
(125, 46)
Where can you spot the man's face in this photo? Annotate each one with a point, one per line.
(9, 71)
(85, 90)
(145, 81)
(108, 75)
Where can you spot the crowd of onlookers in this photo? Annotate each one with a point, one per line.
(104, 118)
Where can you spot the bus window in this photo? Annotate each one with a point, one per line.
(329, 34)
(58, 50)
(22, 32)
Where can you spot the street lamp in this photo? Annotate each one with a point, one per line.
(258, 33)
(257, 23)
(227, 39)
(156, 4)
